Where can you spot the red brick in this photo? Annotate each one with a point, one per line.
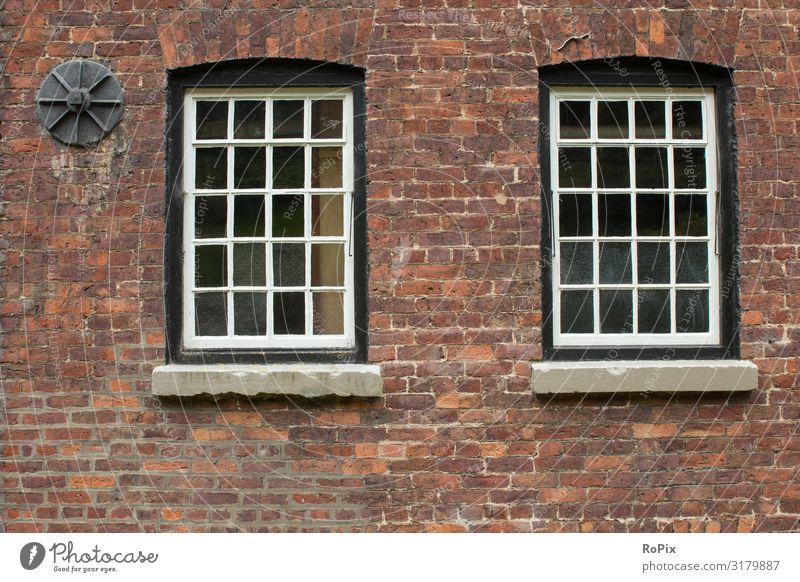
(92, 481)
(457, 443)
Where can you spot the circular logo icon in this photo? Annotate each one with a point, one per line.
(31, 555)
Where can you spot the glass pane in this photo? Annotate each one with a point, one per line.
(616, 311)
(614, 214)
(288, 168)
(327, 265)
(326, 119)
(613, 169)
(651, 168)
(248, 216)
(328, 313)
(212, 119)
(615, 262)
(287, 119)
(249, 264)
(574, 167)
(289, 264)
(210, 314)
(687, 120)
(211, 168)
(612, 119)
(690, 167)
(692, 310)
(211, 266)
(249, 167)
(576, 263)
(327, 215)
(654, 311)
(210, 216)
(650, 120)
(326, 167)
(248, 119)
(690, 215)
(652, 214)
(290, 313)
(577, 311)
(288, 215)
(653, 262)
(575, 215)
(574, 119)
(692, 262)
(250, 313)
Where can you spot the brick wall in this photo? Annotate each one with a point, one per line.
(458, 442)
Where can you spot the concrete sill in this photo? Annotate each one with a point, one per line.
(306, 380)
(643, 376)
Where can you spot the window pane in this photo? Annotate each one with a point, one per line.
(210, 314)
(577, 311)
(576, 263)
(288, 214)
(211, 266)
(690, 167)
(651, 168)
(654, 311)
(287, 119)
(212, 119)
(326, 167)
(574, 119)
(289, 313)
(574, 167)
(687, 120)
(614, 214)
(615, 262)
(692, 310)
(248, 216)
(210, 216)
(327, 215)
(653, 262)
(327, 265)
(326, 119)
(328, 313)
(692, 262)
(211, 168)
(249, 167)
(288, 167)
(652, 214)
(249, 313)
(613, 169)
(249, 264)
(575, 215)
(612, 119)
(616, 311)
(690, 215)
(289, 264)
(650, 120)
(248, 119)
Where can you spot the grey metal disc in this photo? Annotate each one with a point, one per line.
(80, 102)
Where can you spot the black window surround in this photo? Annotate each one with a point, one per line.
(650, 72)
(260, 73)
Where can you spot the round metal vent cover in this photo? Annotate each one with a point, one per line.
(80, 102)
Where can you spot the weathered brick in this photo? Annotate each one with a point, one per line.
(454, 217)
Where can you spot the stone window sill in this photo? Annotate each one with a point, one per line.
(306, 380)
(643, 376)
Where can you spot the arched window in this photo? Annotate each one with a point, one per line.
(266, 239)
(639, 202)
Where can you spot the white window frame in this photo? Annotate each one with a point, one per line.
(189, 193)
(668, 94)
